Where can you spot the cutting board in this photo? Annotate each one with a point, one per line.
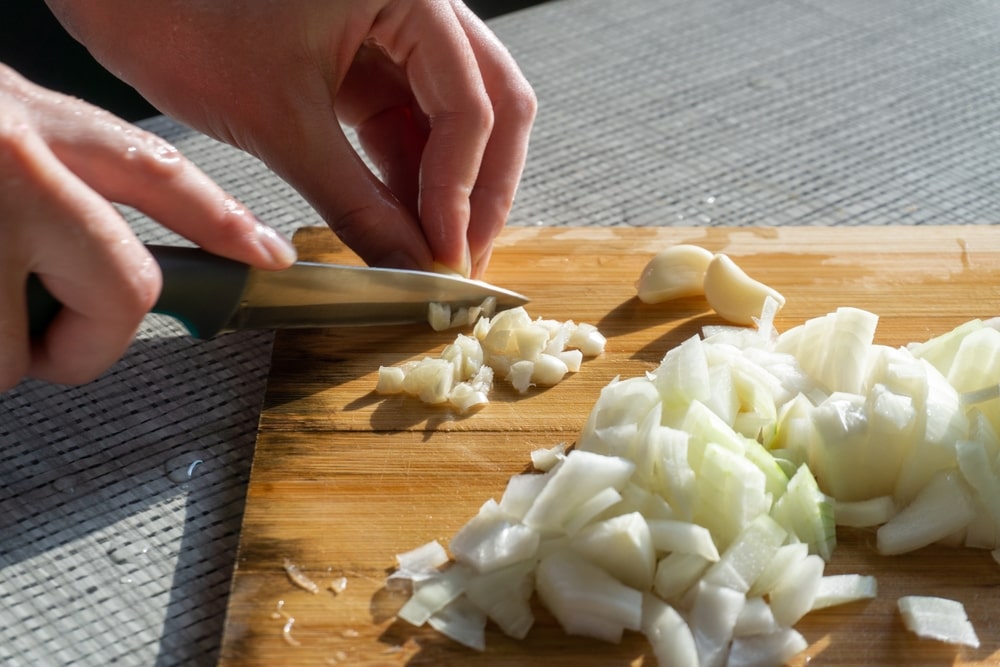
(344, 479)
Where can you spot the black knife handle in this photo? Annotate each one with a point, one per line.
(200, 289)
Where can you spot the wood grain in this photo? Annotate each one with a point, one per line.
(343, 479)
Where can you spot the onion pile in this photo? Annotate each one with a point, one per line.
(700, 503)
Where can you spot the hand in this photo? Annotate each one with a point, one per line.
(438, 104)
(62, 163)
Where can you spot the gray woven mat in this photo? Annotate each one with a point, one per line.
(120, 502)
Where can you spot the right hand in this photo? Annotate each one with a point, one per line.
(62, 164)
(438, 103)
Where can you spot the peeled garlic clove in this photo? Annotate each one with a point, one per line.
(733, 294)
(549, 370)
(390, 380)
(674, 272)
(439, 316)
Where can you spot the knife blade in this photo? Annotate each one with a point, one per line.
(210, 294)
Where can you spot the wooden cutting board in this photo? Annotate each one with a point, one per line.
(343, 479)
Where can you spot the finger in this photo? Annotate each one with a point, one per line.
(515, 106)
(376, 101)
(15, 353)
(126, 164)
(316, 158)
(85, 255)
(444, 76)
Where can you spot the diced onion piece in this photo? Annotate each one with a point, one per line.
(682, 536)
(425, 558)
(776, 648)
(713, 615)
(504, 595)
(492, 540)
(572, 484)
(585, 599)
(748, 555)
(338, 585)
(833, 348)
(586, 511)
(462, 621)
(974, 463)
(667, 632)
(937, 618)
(300, 578)
(677, 573)
(837, 589)
(731, 493)
(521, 493)
(795, 593)
(756, 618)
(430, 595)
(864, 513)
(777, 567)
(807, 512)
(941, 508)
(622, 546)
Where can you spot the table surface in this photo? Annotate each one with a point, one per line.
(121, 501)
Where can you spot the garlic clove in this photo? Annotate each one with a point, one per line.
(733, 294)
(674, 272)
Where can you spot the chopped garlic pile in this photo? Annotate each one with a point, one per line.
(526, 352)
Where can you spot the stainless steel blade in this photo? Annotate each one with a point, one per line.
(311, 294)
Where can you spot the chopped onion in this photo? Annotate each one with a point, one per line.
(837, 589)
(701, 501)
(432, 594)
(462, 621)
(585, 599)
(941, 508)
(299, 578)
(667, 632)
(937, 618)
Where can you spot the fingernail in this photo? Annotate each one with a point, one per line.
(464, 269)
(279, 248)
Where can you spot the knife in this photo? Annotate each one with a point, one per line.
(210, 294)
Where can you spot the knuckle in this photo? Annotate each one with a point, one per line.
(138, 289)
(151, 154)
(15, 141)
(518, 101)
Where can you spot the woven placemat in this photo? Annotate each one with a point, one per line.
(120, 501)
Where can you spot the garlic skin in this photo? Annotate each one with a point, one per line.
(733, 294)
(674, 272)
